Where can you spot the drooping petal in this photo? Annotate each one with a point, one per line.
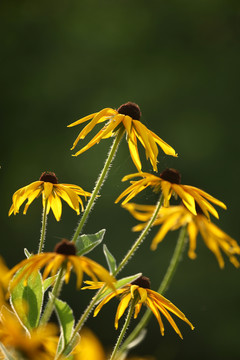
(121, 308)
(48, 188)
(56, 206)
(164, 146)
(155, 312)
(192, 232)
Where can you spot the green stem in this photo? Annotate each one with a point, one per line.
(124, 329)
(99, 182)
(140, 238)
(55, 293)
(43, 230)
(120, 267)
(177, 255)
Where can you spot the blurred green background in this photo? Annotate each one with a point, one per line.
(179, 60)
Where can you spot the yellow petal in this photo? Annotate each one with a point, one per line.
(121, 308)
(56, 206)
(48, 188)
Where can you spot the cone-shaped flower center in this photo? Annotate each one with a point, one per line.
(131, 109)
(171, 175)
(65, 247)
(48, 176)
(143, 282)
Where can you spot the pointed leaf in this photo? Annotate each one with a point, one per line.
(112, 265)
(66, 320)
(27, 253)
(26, 298)
(69, 348)
(120, 283)
(86, 243)
(49, 282)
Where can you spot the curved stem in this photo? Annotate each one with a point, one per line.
(55, 293)
(99, 182)
(43, 230)
(120, 267)
(177, 255)
(124, 329)
(140, 238)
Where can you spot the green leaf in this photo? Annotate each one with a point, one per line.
(27, 253)
(120, 283)
(49, 282)
(86, 243)
(69, 348)
(66, 320)
(26, 299)
(112, 265)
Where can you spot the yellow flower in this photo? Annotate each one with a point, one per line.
(140, 291)
(169, 181)
(89, 347)
(126, 116)
(40, 343)
(52, 192)
(64, 254)
(4, 282)
(174, 217)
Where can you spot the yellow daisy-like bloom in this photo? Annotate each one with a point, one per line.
(52, 192)
(174, 217)
(169, 182)
(4, 283)
(90, 348)
(139, 290)
(40, 343)
(64, 254)
(126, 116)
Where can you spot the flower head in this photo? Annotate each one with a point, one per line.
(64, 255)
(174, 217)
(169, 182)
(40, 343)
(127, 117)
(139, 290)
(52, 192)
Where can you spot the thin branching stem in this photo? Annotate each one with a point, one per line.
(99, 183)
(44, 228)
(174, 262)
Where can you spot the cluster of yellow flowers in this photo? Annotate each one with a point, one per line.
(24, 335)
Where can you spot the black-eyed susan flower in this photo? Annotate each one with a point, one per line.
(64, 255)
(4, 283)
(52, 192)
(174, 217)
(139, 291)
(169, 182)
(128, 117)
(40, 343)
(90, 348)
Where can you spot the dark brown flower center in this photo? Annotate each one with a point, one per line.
(171, 175)
(65, 247)
(143, 282)
(131, 109)
(48, 176)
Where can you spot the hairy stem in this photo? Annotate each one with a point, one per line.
(99, 183)
(55, 293)
(124, 329)
(43, 230)
(177, 255)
